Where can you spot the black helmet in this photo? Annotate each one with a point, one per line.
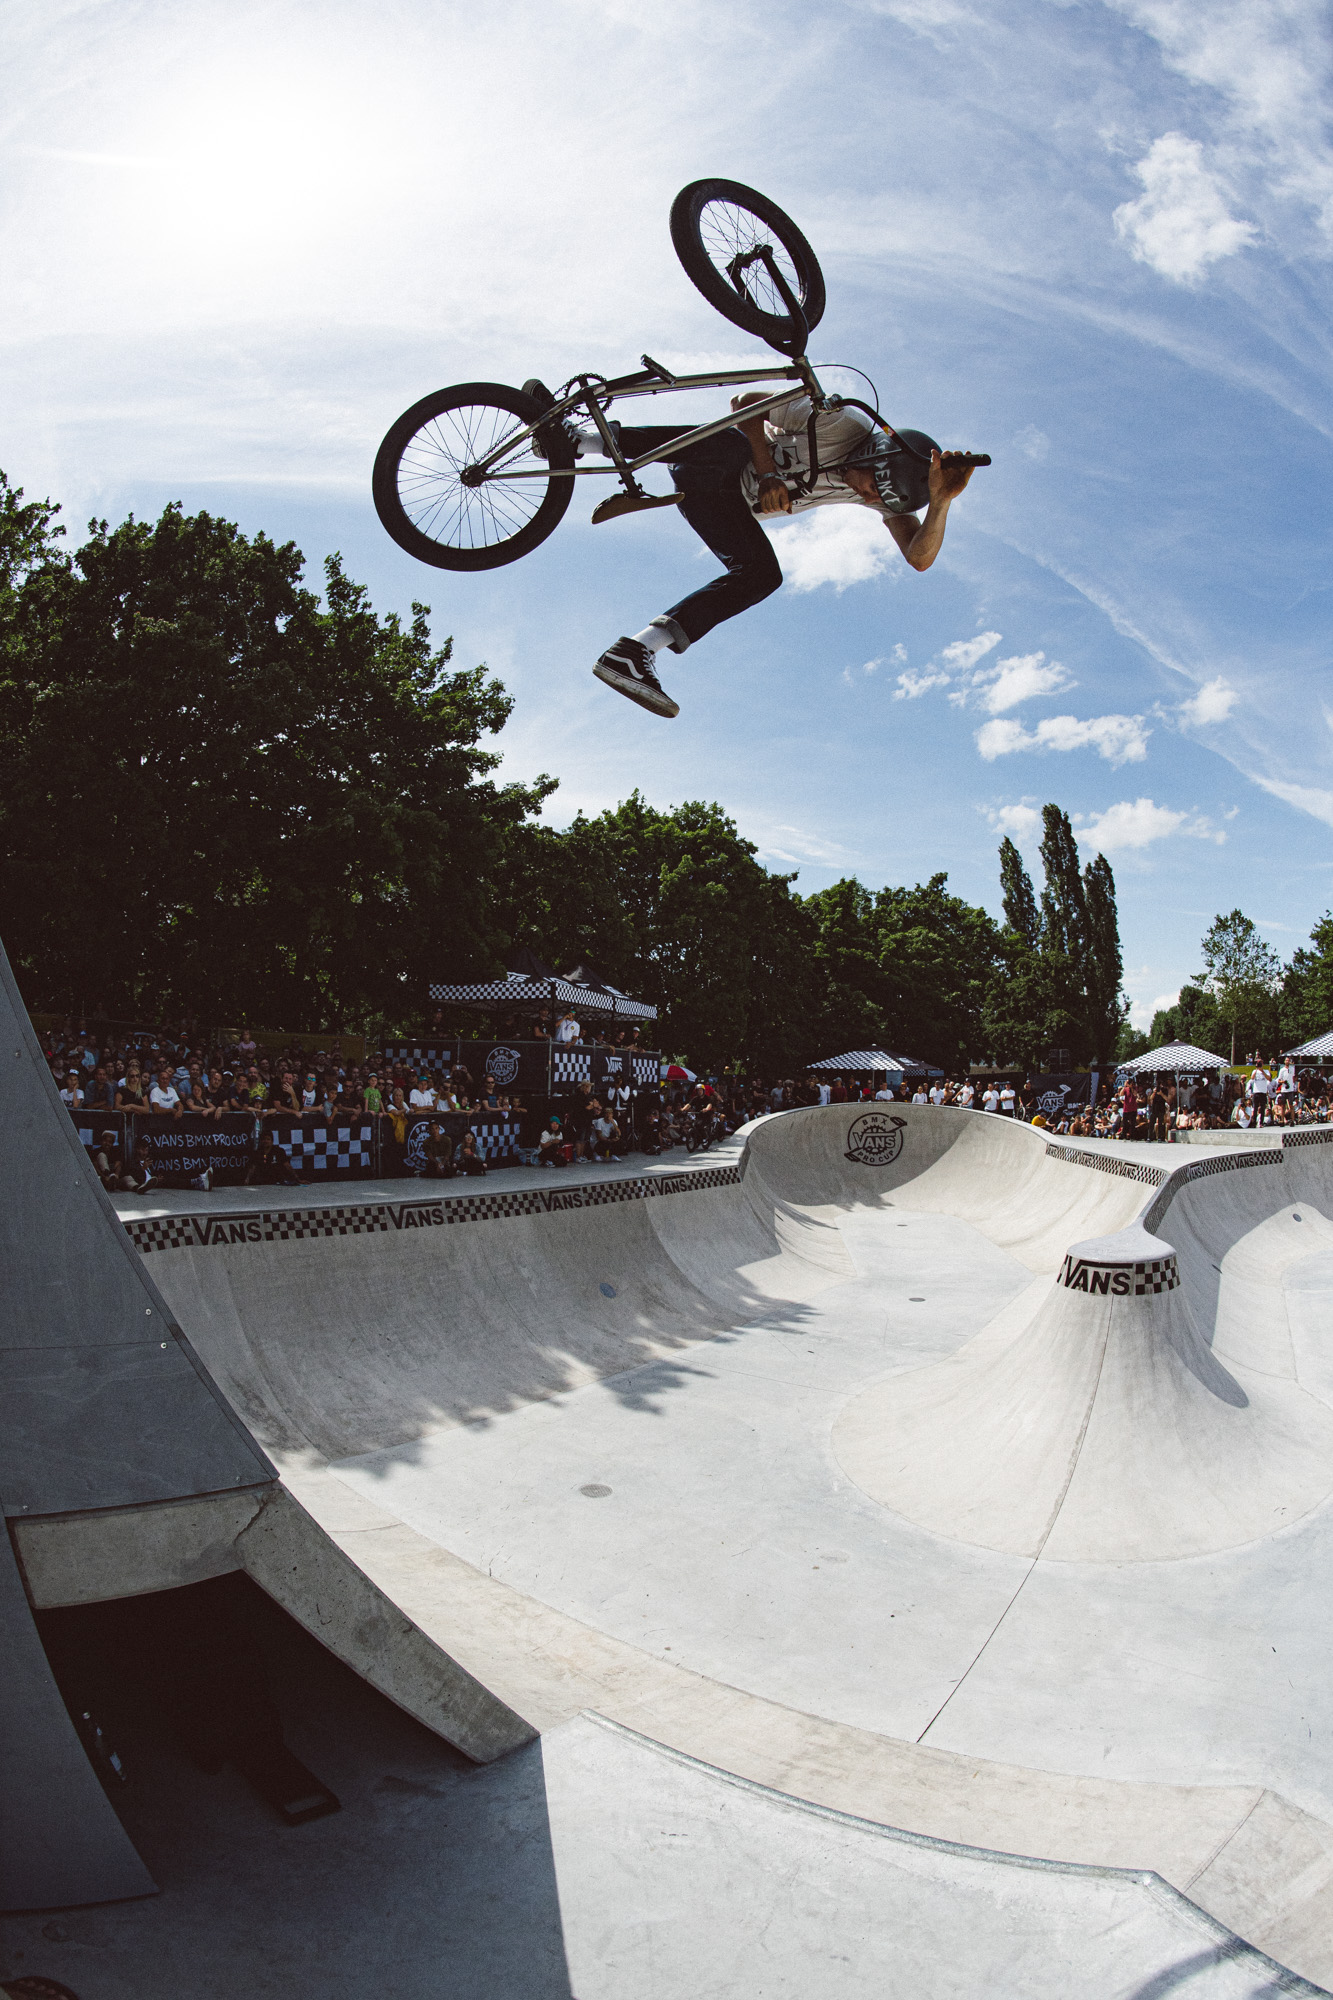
(899, 462)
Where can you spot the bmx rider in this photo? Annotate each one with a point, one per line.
(756, 471)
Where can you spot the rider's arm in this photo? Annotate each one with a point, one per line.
(774, 499)
(920, 540)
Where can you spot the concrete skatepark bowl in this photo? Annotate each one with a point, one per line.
(890, 1558)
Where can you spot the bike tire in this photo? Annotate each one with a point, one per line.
(712, 219)
(422, 501)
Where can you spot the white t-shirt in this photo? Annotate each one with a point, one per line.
(990, 1098)
(937, 1093)
(838, 433)
(966, 1095)
(1007, 1099)
(567, 1030)
(421, 1100)
(884, 1096)
(163, 1100)
(825, 1092)
(919, 1095)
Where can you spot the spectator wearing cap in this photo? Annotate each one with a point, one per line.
(116, 1177)
(423, 1095)
(71, 1096)
(550, 1145)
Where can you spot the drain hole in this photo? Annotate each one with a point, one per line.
(607, 1291)
(595, 1492)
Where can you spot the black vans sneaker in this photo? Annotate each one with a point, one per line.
(546, 435)
(628, 668)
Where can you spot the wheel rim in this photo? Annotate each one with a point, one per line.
(728, 229)
(431, 489)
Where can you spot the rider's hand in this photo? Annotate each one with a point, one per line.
(949, 474)
(773, 495)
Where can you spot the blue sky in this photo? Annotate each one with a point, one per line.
(1093, 239)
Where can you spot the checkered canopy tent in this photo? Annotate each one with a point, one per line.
(863, 1059)
(1173, 1059)
(532, 985)
(1320, 1050)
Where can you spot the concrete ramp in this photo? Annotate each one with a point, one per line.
(1106, 1430)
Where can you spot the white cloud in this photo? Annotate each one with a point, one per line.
(1312, 799)
(1137, 823)
(1022, 822)
(1141, 1011)
(837, 545)
(1180, 224)
(872, 665)
(912, 684)
(1020, 679)
(1270, 65)
(1033, 443)
(963, 654)
(1120, 739)
(1213, 703)
(792, 845)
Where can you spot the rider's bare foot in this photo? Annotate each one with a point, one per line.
(629, 668)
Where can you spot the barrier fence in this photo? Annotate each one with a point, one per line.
(545, 1068)
(360, 1147)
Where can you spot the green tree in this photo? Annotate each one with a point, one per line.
(1241, 972)
(938, 957)
(1016, 897)
(218, 794)
(1103, 966)
(673, 907)
(1057, 983)
(1306, 1005)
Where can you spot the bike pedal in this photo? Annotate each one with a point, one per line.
(631, 503)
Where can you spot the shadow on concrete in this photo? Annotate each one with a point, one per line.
(435, 1875)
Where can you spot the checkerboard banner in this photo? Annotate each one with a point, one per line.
(326, 1149)
(572, 1065)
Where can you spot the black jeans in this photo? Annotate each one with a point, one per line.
(709, 476)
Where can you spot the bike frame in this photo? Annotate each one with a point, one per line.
(595, 395)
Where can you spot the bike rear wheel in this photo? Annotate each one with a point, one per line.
(715, 223)
(438, 516)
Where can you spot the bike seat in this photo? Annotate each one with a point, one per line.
(631, 503)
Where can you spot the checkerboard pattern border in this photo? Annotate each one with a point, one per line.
(1139, 1280)
(1130, 1170)
(199, 1232)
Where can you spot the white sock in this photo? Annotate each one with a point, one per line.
(654, 637)
(590, 443)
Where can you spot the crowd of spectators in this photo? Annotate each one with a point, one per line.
(167, 1074)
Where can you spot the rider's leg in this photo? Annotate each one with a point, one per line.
(708, 475)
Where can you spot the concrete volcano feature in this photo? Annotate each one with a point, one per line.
(1104, 1429)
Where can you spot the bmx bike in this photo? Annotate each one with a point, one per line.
(475, 476)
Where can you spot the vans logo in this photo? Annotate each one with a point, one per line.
(875, 1138)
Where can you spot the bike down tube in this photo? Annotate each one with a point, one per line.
(640, 385)
(678, 444)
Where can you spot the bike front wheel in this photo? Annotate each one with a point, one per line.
(432, 502)
(717, 228)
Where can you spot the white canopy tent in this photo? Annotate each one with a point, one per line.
(1172, 1059)
(1320, 1050)
(859, 1060)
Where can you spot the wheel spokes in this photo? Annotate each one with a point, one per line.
(727, 230)
(434, 496)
